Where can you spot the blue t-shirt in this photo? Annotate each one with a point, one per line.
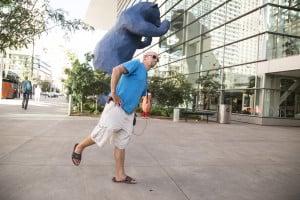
(133, 85)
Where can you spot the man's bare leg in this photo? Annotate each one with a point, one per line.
(119, 155)
(84, 143)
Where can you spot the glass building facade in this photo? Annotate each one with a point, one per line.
(233, 40)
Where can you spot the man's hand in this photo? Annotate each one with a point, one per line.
(116, 99)
(115, 76)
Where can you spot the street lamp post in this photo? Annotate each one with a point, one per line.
(32, 58)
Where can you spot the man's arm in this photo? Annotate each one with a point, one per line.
(115, 77)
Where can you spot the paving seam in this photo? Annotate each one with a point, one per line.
(161, 166)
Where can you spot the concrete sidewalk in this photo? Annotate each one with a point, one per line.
(171, 161)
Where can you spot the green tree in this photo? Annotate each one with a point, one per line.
(209, 87)
(23, 20)
(101, 84)
(45, 86)
(83, 81)
(171, 92)
(80, 78)
(100, 81)
(187, 91)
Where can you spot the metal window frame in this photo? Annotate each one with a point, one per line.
(228, 22)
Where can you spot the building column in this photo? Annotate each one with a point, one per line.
(270, 97)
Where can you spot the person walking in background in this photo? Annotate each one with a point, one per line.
(37, 93)
(26, 90)
(128, 85)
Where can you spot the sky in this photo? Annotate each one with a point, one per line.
(52, 47)
(75, 10)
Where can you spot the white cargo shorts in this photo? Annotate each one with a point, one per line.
(114, 125)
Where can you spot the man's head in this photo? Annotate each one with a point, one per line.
(26, 77)
(150, 59)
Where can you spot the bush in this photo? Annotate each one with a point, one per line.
(90, 107)
(161, 111)
(156, 111)
(172, 91)
(138, 110)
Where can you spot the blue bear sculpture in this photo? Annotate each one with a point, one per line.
(120, 43)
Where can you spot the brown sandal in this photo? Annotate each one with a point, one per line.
(127, 180)
(76, 156)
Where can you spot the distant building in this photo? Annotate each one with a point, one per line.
(20, 62)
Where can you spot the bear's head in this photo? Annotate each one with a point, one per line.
(150, 12)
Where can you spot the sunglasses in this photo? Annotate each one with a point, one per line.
(155, 57)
